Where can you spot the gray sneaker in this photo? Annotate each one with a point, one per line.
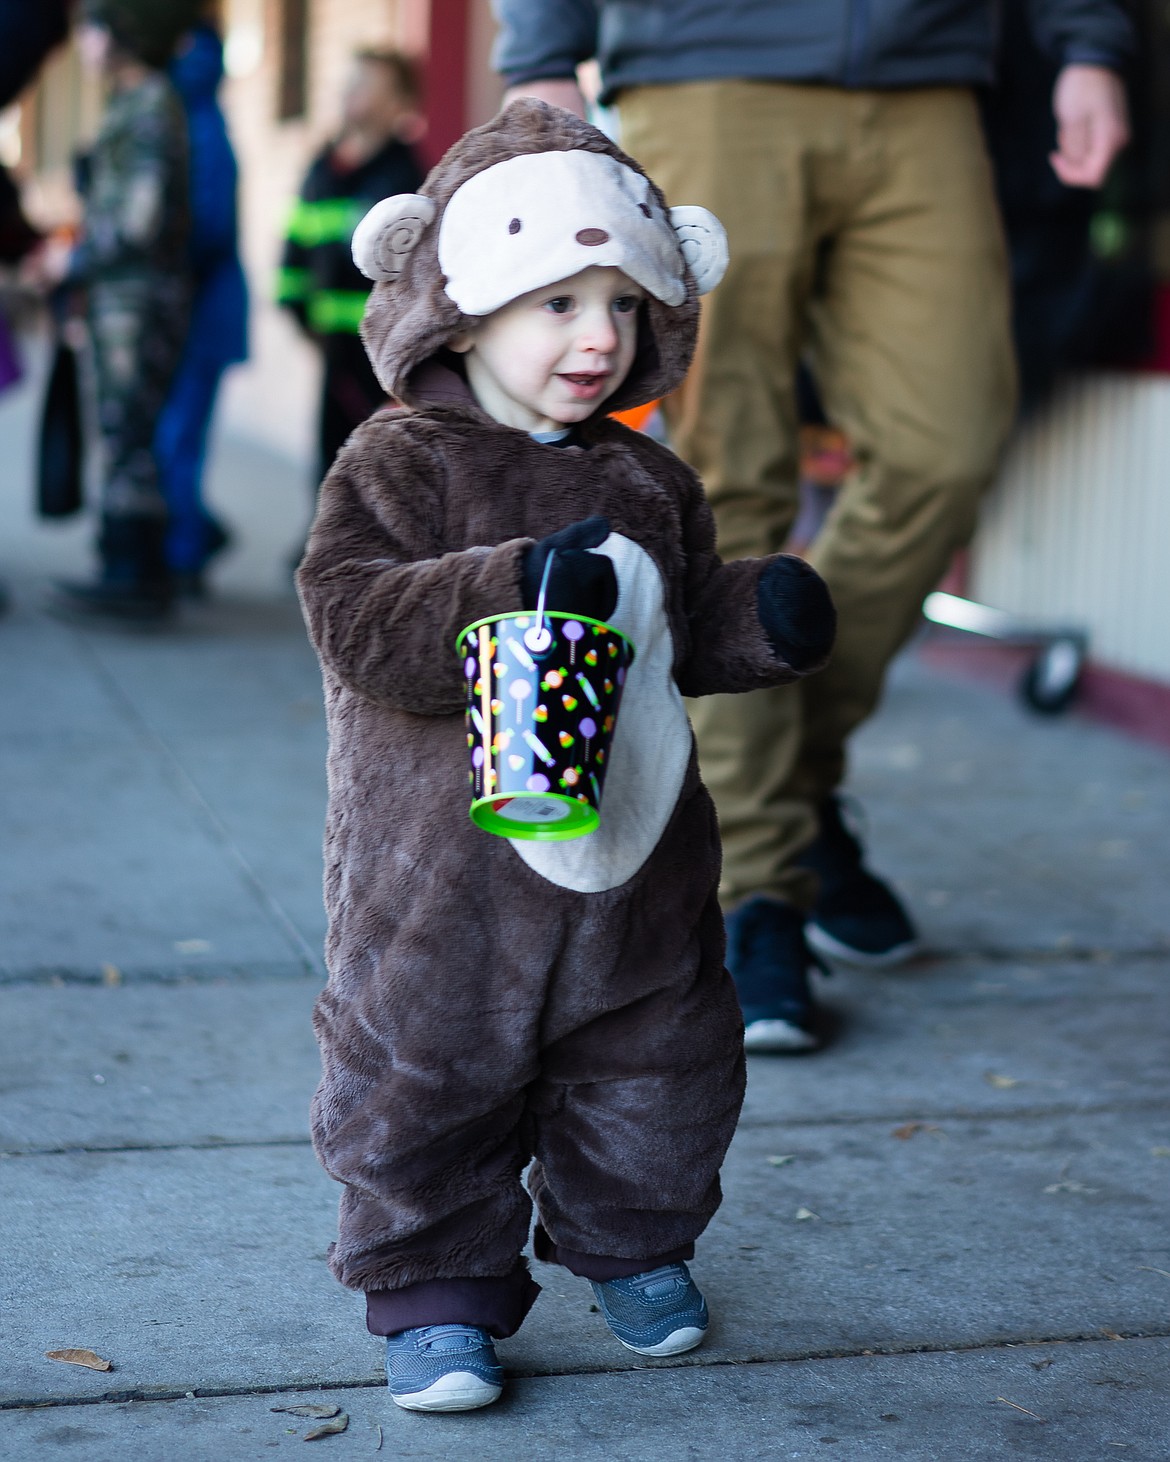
(660, 1312)
(443, 1368)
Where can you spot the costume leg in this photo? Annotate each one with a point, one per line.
(914, 357)
(636, 1108)
(746, 150)
(180, 446)
(429, 1037)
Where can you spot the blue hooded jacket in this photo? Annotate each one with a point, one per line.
(219, 316)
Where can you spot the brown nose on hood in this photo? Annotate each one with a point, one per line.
(408, 321)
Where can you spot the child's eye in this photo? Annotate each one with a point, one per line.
(561, 305)
(625, 304)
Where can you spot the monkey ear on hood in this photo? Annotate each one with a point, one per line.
(383, 240)
(703, 241)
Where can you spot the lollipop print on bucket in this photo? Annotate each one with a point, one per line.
(543, 691)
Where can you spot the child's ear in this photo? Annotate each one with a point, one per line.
(461, 343)
(382, 242)
(703, 240)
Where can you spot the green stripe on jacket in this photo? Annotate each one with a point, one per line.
(336, 311)
(328, 221)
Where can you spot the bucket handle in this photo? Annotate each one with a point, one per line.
(539, 638)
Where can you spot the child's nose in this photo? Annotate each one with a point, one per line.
(598, 332)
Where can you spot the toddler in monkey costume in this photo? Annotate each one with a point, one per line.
(496, 1003)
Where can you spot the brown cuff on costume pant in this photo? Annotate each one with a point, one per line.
(601, 1266)
(495, 1305)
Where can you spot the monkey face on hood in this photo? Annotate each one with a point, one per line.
(529, 199)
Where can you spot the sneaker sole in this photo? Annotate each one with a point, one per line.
(777, 1036)
(459, 1391)
(676, 1343)
(825, 944)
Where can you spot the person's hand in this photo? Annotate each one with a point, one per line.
(48, 264)
(562, 92)
(1092, 124)
(797, 612)
(579, 582)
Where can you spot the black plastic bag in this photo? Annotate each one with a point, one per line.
(62, 443)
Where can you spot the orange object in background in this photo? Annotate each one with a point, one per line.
(637, 416)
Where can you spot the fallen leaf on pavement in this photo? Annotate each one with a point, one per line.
(308, 1408)
(1160, 1151)
(803, 1213)
(1001, 1083)
(75, 1357)
(1069, 1185)
(1110, 1334)
(111, 975)
(328, 1428)
(781, 1160)
(1041, 1365)
(908, 1129)
(378, 1448)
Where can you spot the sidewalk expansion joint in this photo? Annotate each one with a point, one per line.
(957, 1114)
(746, 1124)
(207, 1145)
(189, 790)
(695, 1361)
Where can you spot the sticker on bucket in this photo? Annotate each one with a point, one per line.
(543, 691)
(532, 809)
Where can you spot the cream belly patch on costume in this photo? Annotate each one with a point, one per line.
(651, 748)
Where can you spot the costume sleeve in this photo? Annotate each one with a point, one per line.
(729, 650)
(542, 40)
(382, 600)
(1091, 32)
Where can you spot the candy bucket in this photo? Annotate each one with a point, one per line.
(543, 691)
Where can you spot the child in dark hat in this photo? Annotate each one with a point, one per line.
(133, 262)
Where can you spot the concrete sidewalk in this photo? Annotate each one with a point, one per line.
(945, 1237)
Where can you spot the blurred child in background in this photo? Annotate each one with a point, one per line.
(370, 159)
(133, 261)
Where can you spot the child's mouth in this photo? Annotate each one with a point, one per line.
(586, 385)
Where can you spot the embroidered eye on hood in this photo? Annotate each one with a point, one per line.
(530, 199)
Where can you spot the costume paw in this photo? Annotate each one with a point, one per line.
(579, 582)
(796, 612)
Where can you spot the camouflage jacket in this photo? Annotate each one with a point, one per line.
(136, 205)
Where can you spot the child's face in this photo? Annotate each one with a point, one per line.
(551, 357)
(371, 100)
(94, 45)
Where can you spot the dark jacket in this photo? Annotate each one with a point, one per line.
(219, 310)
(852, 43)
(28, 32)
(318, 279)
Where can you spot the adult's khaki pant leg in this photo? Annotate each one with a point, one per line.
(742, 149)
(913, 354)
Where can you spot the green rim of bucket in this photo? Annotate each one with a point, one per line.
(583, 818)
(548, 614)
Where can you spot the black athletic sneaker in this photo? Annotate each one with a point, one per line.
(769, 962)
(857, 919)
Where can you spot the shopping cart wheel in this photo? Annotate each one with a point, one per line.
(1050, 682)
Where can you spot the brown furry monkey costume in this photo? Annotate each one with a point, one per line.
(492, 1003)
